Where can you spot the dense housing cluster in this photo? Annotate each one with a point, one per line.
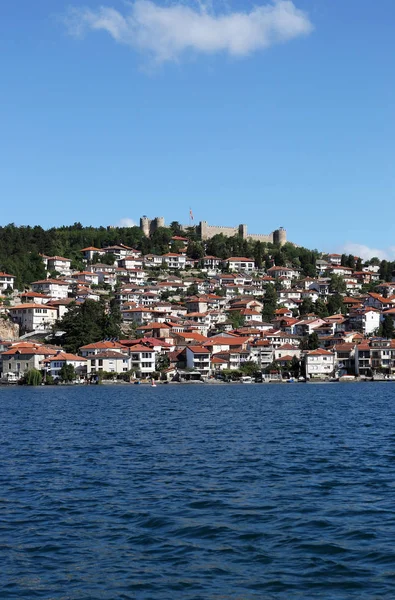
(176, 307)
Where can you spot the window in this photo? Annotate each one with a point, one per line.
(100, 362)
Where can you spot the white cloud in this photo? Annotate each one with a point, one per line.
(366, 252)
(166, 32)
(125, 222)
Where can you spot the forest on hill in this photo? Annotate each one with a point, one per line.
(21, 247)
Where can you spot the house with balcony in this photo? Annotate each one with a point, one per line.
(89, 252)
(334, 259)
(172, 260)
(286, 272)
(319, 364)
(363, 365)
(33, 316)
(20, 357)
(59, 264)
(240, 263)
(119, 251)
(382, 356)
(345, 358)
(86, 277)
(198, 358)
(261, 352)
(54, 364)
(57, 289)
(109, 361)
(97, 347)
(131, 262)
(142, 360)
(7, 281)
(212, 262)
(366, 320)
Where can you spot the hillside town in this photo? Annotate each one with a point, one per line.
(180, 317)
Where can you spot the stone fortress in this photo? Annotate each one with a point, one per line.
(206, 231)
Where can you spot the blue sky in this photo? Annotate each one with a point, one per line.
(272, 114)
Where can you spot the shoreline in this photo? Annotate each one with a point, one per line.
(194, 383)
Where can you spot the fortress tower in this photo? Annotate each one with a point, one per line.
(145, 224)
(148, 226)
(279, 236)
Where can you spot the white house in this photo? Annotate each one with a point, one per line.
(119, 251)
(23, 356)
(53, 364)
(33, 317)
(240, 263)
(174, 261)
(59, 264)
(335, 259)
(212, 262)
(142, 360)
(86, 277)
(55, 288)
(288, 273)
(6, 281)
(198, 359)
(89, 253)
(109, 361)
(98, 347)
(319, 363)
(365, 320)
(131, 262)
(153, 260)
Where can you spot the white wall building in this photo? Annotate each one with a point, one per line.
(55, 288)
(109, 361)
(33, 317)
(319, 363)
(53, 364)
(59, 264)
(6, 281)
(240, 263)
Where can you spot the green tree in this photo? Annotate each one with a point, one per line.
(249, 368)
(306, 307)
(320, 308)
(162, 362)
(176, 228)
(270, 302)
(387, 327)
(295, 366)
(67, 373)
(33, 377)
(112, 320)
(337, 284)
(350, 261)
(335, 304)
(311, 342)
(82, 324)
(236, 318)
(193, 290)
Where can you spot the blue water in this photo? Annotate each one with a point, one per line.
(198, 492)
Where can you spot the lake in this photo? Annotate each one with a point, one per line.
(198, 492)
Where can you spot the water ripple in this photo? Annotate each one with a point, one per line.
(228, 492)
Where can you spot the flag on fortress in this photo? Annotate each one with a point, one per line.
(191, 214)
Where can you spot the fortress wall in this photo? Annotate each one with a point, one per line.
(209, 231)
(261, 237)
(206, 231)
